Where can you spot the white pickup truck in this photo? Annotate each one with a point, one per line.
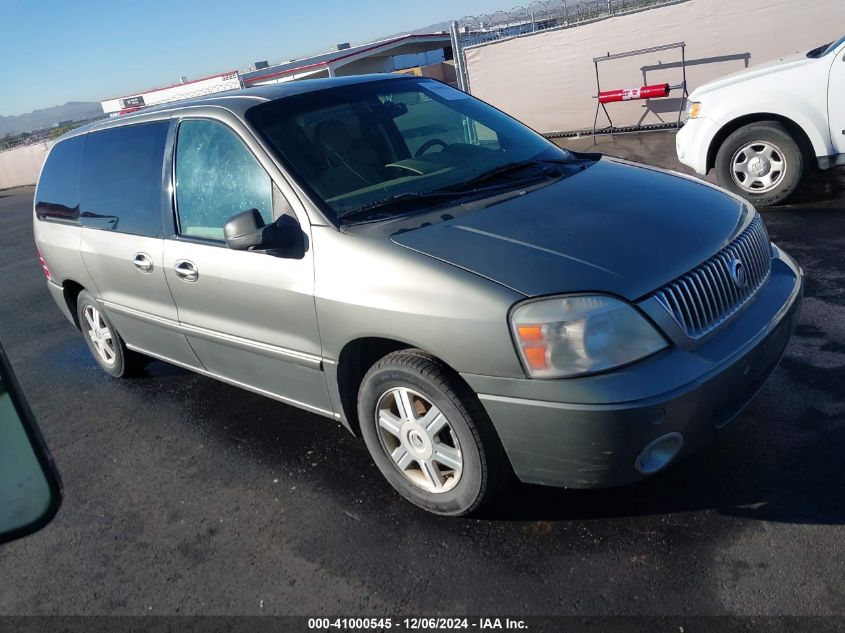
(763, 128)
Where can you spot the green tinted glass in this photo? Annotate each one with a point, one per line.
(29, 492)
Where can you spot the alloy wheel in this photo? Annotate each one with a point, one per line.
(419, 440)
(100, 335)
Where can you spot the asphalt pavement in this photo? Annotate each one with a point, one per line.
(187, 496)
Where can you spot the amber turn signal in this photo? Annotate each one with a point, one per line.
(536, 357)
(529, 333)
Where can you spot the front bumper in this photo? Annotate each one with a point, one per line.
(589, 432)
(692, 143)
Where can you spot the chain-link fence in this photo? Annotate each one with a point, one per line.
(539, 15)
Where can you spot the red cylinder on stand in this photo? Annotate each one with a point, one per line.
(656, 91)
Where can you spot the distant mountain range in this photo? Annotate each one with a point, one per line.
(431, 28)
(48, 117)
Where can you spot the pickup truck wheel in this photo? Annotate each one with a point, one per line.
(429, 435)
(103, 341)
(761, 162)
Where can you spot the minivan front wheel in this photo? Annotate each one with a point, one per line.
(761, 162)
(103, 341)
(429, 435)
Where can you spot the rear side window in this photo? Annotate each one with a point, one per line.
(57, 195)
(122, 177)
(217, 177)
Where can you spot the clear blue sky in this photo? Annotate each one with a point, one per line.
(53, 51)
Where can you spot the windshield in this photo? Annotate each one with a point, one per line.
(826, 49)
(371, 145)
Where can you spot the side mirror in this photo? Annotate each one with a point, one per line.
(30, 492)
(244, 231)
(247, 231)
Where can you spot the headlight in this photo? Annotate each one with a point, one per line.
(568, 336)
(693, 110)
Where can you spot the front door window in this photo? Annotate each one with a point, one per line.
(216, 177)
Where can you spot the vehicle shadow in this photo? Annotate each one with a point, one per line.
(818, 188)
(792, 490)
(160, 369)
(777, 462)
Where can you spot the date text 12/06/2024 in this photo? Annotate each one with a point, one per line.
(416, 624)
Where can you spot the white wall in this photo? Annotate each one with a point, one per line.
(196, 88)
(548, 79)
(21, 166)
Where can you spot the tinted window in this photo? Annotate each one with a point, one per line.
(372, 149)
(121, 178)
(57, 195)
(216, 177)
(427, 120)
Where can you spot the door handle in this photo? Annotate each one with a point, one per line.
(186, 271)
(143, 262)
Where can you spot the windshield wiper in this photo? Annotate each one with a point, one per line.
(387, 205)
(395, 205)
(549, 165)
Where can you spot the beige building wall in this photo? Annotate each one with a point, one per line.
(548, 79)
(21, 166)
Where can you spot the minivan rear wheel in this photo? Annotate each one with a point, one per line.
(762, 162)
(103, 341)
(429, 435)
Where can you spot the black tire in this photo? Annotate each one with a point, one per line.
(125, 362)
(485, 466)
(776, 134)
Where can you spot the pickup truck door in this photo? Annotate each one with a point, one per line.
(836, 101)
(249, 316)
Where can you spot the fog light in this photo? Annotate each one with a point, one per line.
(657, 455)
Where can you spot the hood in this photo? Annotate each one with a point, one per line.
(615, 227)
(783, 64)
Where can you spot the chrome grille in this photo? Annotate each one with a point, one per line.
(707, 296)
